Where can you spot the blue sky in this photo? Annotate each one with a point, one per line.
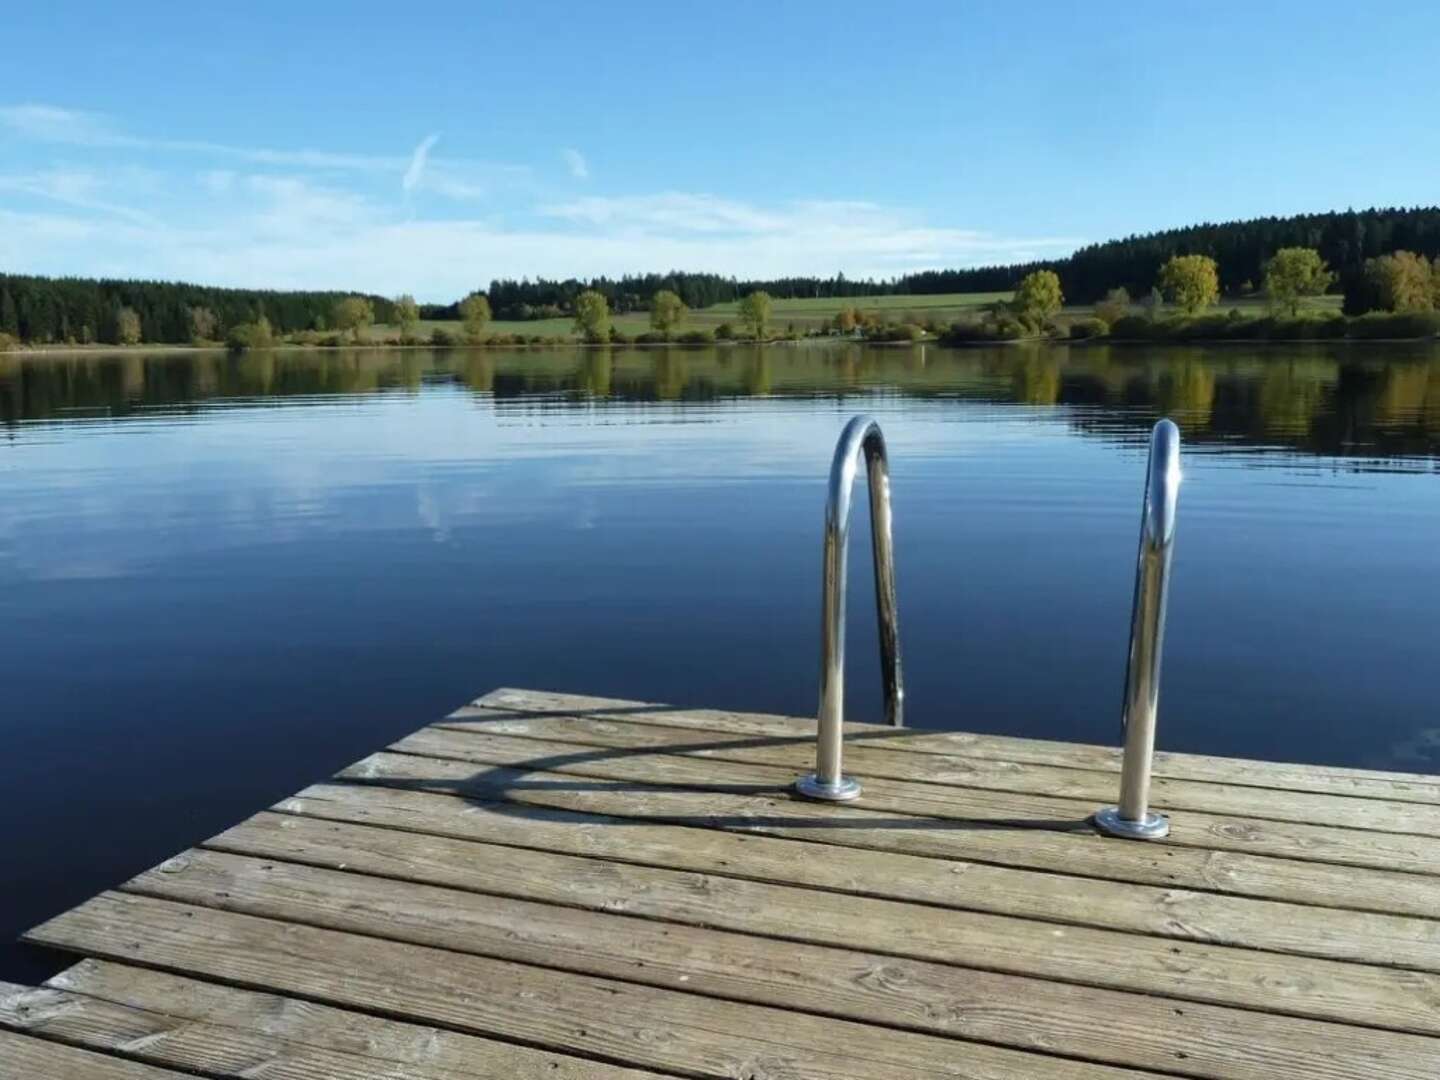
(430, 148)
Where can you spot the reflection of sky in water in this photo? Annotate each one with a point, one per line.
(205, 608)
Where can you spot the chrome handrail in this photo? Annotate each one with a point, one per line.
(1133, 818)
(861, 434)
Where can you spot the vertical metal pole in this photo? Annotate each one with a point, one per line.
(861, 435)
(1133, 818)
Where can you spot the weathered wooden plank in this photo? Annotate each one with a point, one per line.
(611, 1020)
(607, 938)
(168, 1020)
(1167, 912)
(1079, 853)
(23, 1057)
(1370, 783)
(1093, 787)
(1013, 813)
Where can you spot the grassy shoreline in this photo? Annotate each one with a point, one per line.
(897, 321)
(60, 351)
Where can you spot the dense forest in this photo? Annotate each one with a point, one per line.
(71, 309)
(37, 309)
(1344, 239)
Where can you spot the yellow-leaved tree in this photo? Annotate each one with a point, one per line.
(1191, 281)
(1038, 297)
(475, 316)
(1292, 274)
(667, 311)
(755, 312)
(592, 315)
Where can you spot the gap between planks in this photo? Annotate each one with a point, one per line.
(1276, 926)
(1368, 783)
(1079, 853)
(657, 765)
(612, 1020)
(1091, 787)
(182, 1023)
(577, 901)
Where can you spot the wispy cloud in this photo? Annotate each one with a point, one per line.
(70, 127)
(420, 170)
(258, 216)
(881, 237)
(666, 210)
(418, 159)
(286, 232)
(51, 123)
(576, 163)
(81, 189)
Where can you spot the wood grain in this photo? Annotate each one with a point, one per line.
(616, 1021)
(985, 809)
(25, 1058)
(546, 885)
(170, 1020)
(1063, 848)
(785, 972)
(1189, 915)
(1325, 779)
(1092, 786)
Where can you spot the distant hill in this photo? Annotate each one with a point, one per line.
(60, 309)
(41, 309)
(1345, 239)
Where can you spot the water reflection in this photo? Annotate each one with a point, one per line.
(235, 574)
(1370, 404)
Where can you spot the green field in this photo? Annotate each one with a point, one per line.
(813, 313)
(806, 314)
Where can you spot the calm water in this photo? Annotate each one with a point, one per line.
(221, 579)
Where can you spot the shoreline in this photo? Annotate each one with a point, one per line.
(43, 351)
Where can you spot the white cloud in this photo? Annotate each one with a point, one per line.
(78, 188)
(421, 155)
(667, 210)
(49, 123)
(420, 170)
(576, 163)
(218, 181)
(283, 233)
(307, 218)
(290, 206)
(865, 237)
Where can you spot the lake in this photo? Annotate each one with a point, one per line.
(222, 578)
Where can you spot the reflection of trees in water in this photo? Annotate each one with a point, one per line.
(1186, 393)
(478, 371)
(1036, 380)
(758, 376)
(671, 374)
(1411, 397)
(1289, 395)
(597, 373)
(1324, 399)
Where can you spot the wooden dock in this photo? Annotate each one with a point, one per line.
(544, 885)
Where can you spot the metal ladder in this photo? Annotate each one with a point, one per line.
(1132, 817)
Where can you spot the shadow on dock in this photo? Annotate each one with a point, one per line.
(502, 786)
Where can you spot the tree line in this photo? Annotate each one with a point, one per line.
(36, 309)
(81, 310)
(1343, 239)
(1395, 295)
(544, 298)
(1240, 249)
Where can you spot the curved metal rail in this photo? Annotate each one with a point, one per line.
(1133, 818)
(861, 435)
